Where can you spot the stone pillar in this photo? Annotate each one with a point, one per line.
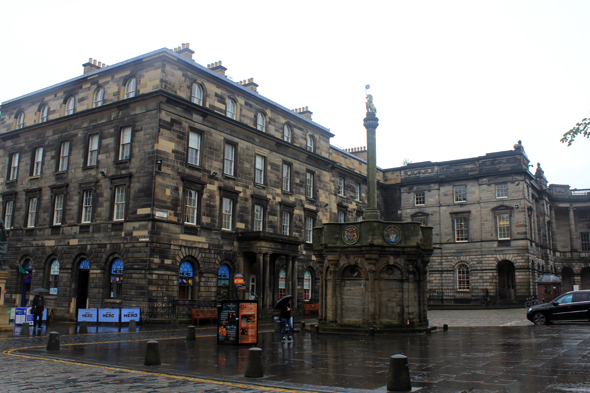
(293, 274)
(332, 289)
(553, 230)
(267, 284)
(243, 295)
(372, 260)
(572, 229)
(371, 122)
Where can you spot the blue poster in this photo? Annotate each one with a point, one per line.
(127, 314)
(108, 315)
(87, 315)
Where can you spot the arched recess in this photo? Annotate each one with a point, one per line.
(506, 280)
(353, 294)
(82, 281)
(25, 278)
(391, 299)
(188, 279)
(224, 276)
(585, 278)
(567, 279)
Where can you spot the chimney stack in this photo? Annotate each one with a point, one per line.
(249, 84)
(305, 112)
(90, 66)
(185, 51)
(217, 67)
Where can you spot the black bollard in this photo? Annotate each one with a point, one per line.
(175, 323)
(83, 328)
(132, 326)
(302, 325)
(398, 378)
(53, 343)
(24, 330)
(316, 329)
(371, 331)
(190, 334)
(152, 354)
(254, 364)
(445, 328)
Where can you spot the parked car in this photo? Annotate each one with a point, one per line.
(571, 306)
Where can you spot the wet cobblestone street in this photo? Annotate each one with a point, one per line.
(483, 351)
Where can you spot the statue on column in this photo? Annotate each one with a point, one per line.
(3, 245)
(370, 106)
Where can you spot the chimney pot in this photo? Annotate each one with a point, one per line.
(100, 64)
(90, 59)
(94, 62)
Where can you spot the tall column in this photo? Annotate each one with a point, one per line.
(371, 122)
(294, 280)
(553, 230)
(243, 295)
(267, 285)
(572, 229)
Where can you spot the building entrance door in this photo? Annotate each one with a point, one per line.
(26, 271)
(82, 292)
(506, 280)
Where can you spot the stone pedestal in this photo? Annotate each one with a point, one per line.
(373, 275)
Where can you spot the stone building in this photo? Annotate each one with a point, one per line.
(157, 179)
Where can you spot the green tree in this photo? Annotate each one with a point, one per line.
(580, 129)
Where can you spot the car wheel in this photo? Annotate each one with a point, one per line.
(540, 319)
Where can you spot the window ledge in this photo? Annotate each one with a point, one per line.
(124, 161)
(194, 166)
(230, 177)
(258, 185)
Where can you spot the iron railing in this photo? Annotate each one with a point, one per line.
(176, 308)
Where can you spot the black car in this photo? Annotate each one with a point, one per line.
(571, 306)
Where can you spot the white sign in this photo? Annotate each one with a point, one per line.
(127, 314)
(576, 288)
(161, 214)
(108, 315)
(87, 314)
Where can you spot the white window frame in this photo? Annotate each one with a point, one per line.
(341, 216)
(461, 228)
(308, 229)
(191, 205)
(585, 241)
(258, 218)
(419, 198)
(194, 148)
(58, 208)
(54, 277)
(32, 215)
(197, 94)
(14, 166)
(341, 186)
(231, 109)
(357, 191)
(260, 169)
(287, 133)
(70, 105)
(130, 88)
(463, 277)
(9, 208)
(309, 186)
(87, 206)
(98, 97)
(502, 190)
(125, 143)
(38, 165)
(119, 208)
(260, 122)
(44, 115)
(460, 194)
(307, 285)
(227, 214)
(64, 156)
(286, 177)
(285, 223)
(20, 121)
(229, 159)
(503, 225)
(93, 144)
(310, 143)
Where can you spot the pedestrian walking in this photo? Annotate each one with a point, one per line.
(286, 321)
(38, 306)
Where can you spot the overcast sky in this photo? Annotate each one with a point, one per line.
(450, 79)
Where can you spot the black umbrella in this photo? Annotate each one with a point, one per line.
(282, 301)
(43, 290)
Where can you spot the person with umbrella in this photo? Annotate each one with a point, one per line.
(38, 306)
(284, 305)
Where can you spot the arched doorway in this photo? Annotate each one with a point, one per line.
(223, 287)
(567, 279)
(26, 271)
(353, 295)
(585, 278)
(506, 280)
(82, 285)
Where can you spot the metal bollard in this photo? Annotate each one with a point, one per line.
(190, 334)
(152, 354)
(371, 331)
(175, 323)
(398, 378)
(24, 330)
(53, 342)
(83, 328)
(254, 364)
(302, 325)
(132, 326)
(445, 328)
(316, 329)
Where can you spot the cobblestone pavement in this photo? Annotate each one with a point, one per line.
(484, 350)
